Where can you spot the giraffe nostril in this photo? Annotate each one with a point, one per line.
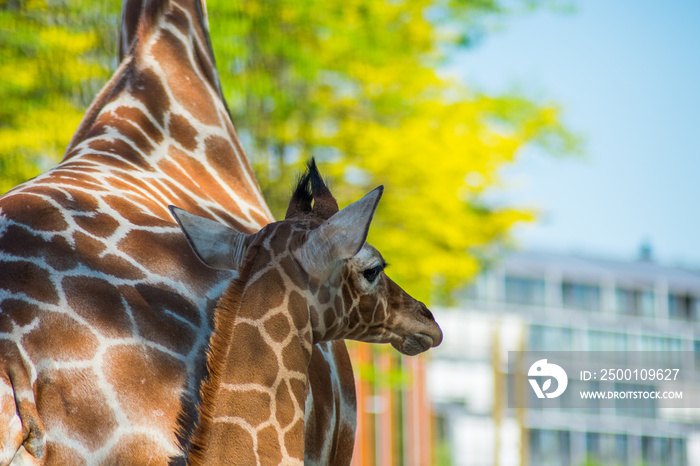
(425, 312)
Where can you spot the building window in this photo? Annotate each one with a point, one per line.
(666, 451)
(668, 349)
(607, 341)
(550, 447)
(635, 407)
(682, 307)
(654, 343)
(592, 445)
(606, 448)
(547, 338)
(580, 296)
(634, 302)
(522, 290)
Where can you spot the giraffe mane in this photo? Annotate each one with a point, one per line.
(224, 316)
(311, 188)
(302, 198)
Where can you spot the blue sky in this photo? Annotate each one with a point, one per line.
(627, 75)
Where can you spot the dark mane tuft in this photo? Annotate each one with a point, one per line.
(314, 175)
(301, 197)
(310, 189)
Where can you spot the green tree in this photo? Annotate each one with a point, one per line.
(356, 85)
(353, 83)
(54, 57)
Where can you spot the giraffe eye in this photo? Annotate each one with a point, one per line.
(372, 274)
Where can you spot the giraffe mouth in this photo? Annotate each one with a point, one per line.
(415, 344)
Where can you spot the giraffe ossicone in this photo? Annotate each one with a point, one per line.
(308, 279)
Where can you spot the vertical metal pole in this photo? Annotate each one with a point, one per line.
(386, 417)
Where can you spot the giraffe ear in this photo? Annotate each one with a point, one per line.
(215, 244)
(340, 237)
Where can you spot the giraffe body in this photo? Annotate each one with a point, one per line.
(308, 279)
(105, 313)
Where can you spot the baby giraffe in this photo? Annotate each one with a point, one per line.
(308, 279)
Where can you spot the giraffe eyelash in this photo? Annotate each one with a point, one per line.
(372, 273)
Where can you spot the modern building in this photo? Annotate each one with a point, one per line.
(533, 301)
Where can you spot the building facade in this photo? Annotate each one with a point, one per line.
(551, 302)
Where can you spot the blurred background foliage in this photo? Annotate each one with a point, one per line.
(358, 84)
(54, 58)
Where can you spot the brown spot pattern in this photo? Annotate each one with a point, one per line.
(71, 397)
(297, 306)
(263, 370)
(182, 131)
(149, 306)
(185, 85)
(135, 449)
(251, 405)
(141, 120)
(135, 213)
(57, 453)
(27, 278)
(149, 381)
(319, 419)
(147, 88)
(239, 440)
(157, 250)
(125, 156)
(86, 245)
(87, 297)
(273, 453)
(69, 341)
(277, 327)
(293, 437)
(34, 212)
(99, 224)
(20, 312)
(285, 407)
(324, 295)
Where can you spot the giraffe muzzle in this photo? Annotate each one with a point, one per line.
(416, 330)
(414, 344)
(419, 342)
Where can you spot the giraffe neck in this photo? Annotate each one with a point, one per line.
(158, 37)
(162, 116)
(253, 405)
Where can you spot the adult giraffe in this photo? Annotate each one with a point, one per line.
(105, 313)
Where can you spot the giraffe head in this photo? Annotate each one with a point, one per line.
(319, 254)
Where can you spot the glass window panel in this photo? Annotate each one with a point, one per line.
(592, 444)
(607, 341)
(647, 304)
(581, 296)
(522, 290)
(634, 302)
(549, 447)
(547, 338)
(624, 301)
(682, 307)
